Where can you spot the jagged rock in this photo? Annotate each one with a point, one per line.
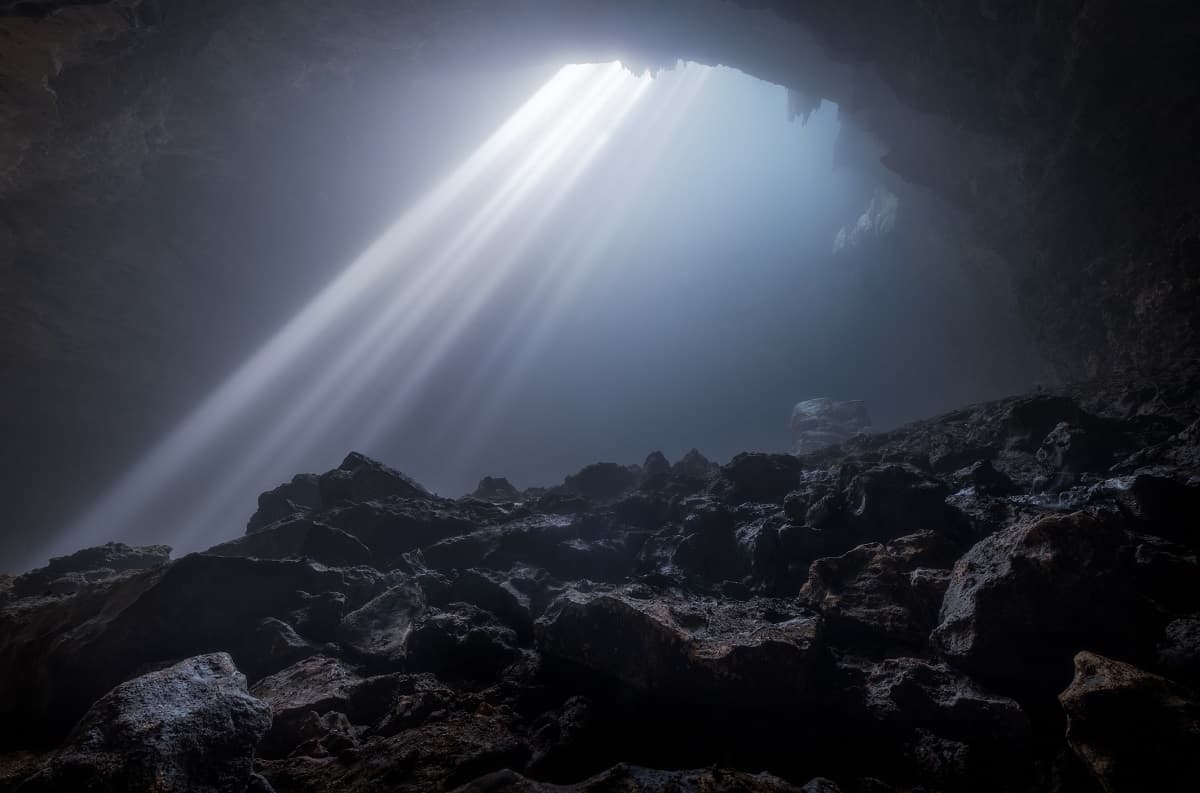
(496, 489)
(461, 642)
(392, 528)
(298, 496)
(1027, 421)
(312, 686)
(359, 478)
(1179, 649)
(646, 780)
(822, 422)
(758, 477)
(694, 465)
(759, 652)
(1021, 601)
(516, 596)
(1162, 506)
(190, 727)
(378, 632)
(655, 465)
(272, 646)
(984, 477)
(67, 574)
(931, 723)
(298, 538)
(892, 500)
(601, 481)
(58, 657)
(879, 598)
(1135, 730)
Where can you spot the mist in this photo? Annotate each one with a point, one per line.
(649, 265)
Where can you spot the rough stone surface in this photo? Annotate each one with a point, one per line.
(189, 727)
(900, 613)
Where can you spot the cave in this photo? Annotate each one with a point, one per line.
(397, 396)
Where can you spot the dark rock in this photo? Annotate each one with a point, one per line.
(655, 465)
(462, 642)
(1026, 422)
(67, 574)
(758, 477)
(694, 465)
(1162, 505)
(298, 496)
(272, 646)
(496, 489)
(984, 477)
(701, 649)
(645, 780)
(1179, 650)
(312, 686)
(933, 724)
(359, 478)
(190, 727)
(878, 598)
(1069, 448)
(601, 481)
(298, 538)
(1023, 600)
(378, 632)
(1135, 730)
(889, 501)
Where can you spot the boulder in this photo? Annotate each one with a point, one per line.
(694, 465)
(316, 685)
(1179, 649)
(1134, 730)
(461, 642)
(601, 481)
(191, 727)
(496, 489)
(302, 494)
(757, 477)
(377, 633)
(647, 780)
(1022, 602)
(655, 465)
(359, 478)
(67, 574)
(298, 538)
(762, 652)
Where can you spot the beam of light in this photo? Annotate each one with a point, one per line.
(333, 395)
(239, 394)
(573, 269)
(496, 272)
(392, 301)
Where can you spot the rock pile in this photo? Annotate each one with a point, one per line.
(1006, 598)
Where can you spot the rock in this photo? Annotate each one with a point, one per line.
(655, 465)
(298, 496)
(496, 489)
(926, 721)
(1022, 601)
(1179, 649)
(878, 598)
(462, 642)
(1135, 730)
(694, 465)
(822, 422)
(378, 632)
(58, 658)
(1162, 506)
(1027, 421)
(1069, 448)
(359, 478)
(984, 477)
(298, 538)
(312, 686)
(67, 574)
(760, 652)
(189, 727)
(757, 477)
(646, 780)
(601, 481)
(272, 646)
(892, 500)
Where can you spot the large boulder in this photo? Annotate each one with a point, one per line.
(1023, 601)
(377, 633)
(191, 728)
(757, 477)
(760, 652)
(1136, 731)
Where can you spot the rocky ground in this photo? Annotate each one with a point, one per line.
(1003, 598)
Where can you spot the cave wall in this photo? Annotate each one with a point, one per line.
(1054, 137)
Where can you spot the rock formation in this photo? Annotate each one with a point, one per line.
(1004, 598)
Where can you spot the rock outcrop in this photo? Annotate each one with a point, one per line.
(963, 604)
